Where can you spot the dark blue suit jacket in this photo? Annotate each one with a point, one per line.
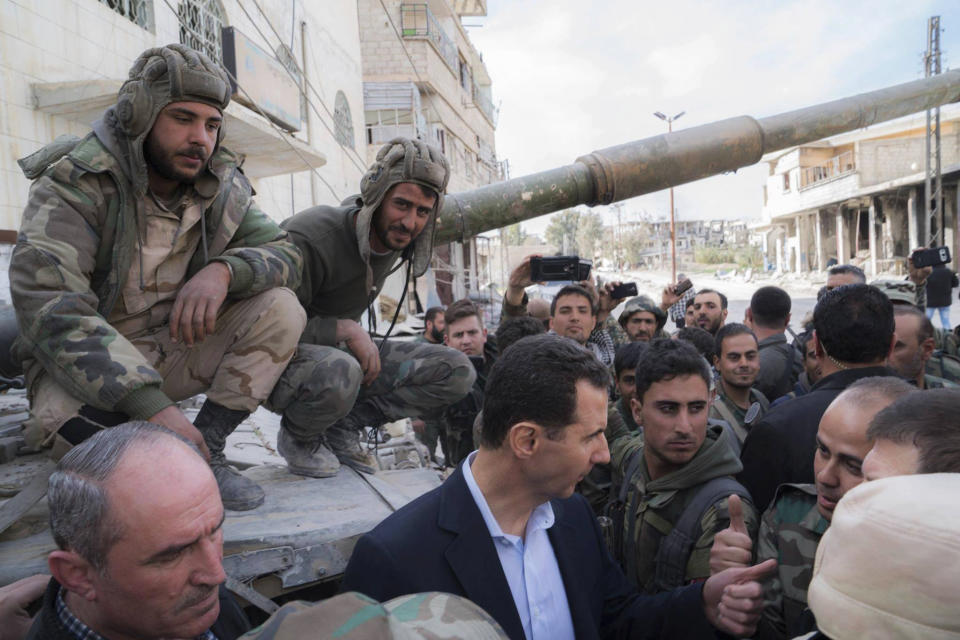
(439, 542)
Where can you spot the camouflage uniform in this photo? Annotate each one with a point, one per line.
(595, 486)
(724, 408)
(84, 234)
(658, 504)
(433, 427)
(342, 277)
(354, 616)
(789, 532)
(934, 382)
(943, 365)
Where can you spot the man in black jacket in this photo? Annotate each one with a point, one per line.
(940, 284)
(854, 334)
(507, 531)
(137, 517)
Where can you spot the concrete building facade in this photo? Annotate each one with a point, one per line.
(858, 197)
(422, 77)
(319, 87)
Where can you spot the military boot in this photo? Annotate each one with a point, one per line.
(215, 423)
(343, 436)
(311, 459)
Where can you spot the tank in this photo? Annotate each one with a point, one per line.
(304, 534)
(645, 166)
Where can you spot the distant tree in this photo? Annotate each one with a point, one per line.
(563, 227)
(514, 235)
(589, 235)
(635, 242)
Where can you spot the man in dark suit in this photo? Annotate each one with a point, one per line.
(853, 337)
(507, 531)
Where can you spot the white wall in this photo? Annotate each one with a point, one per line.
(43, 41)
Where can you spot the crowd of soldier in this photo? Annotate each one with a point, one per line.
(145, 273)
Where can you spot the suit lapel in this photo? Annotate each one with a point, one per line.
(562, 535)
(472, 556)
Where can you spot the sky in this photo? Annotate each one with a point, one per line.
(571, 76)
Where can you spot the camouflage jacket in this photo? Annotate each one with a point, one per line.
(789, 532)
(943, 365)
(654, 506)
(74, 250)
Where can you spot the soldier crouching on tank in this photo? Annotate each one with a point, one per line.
(340, 381)
(144, 273)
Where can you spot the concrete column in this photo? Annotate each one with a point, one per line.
(912, 224)
(474, 272)
(779, 252)
(872, 235)
(801, 265)
(818, 239)
(456, 261)
(842, 257)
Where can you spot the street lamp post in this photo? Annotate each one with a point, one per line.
(673, 225)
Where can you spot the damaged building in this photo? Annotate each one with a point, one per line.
(858, 197)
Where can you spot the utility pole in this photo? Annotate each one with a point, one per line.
(673, 223)
(934, 223)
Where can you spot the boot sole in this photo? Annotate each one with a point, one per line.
(233, 505)
(357, 466)
(312, 473)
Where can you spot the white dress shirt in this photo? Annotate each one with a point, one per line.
(530, 567)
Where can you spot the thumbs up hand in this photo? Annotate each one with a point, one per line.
(732, 547)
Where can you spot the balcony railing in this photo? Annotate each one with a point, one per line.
(834, 168)
(417, 21)
(485, 104)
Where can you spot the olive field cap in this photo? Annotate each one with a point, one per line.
(886, 567)
(354, 616)
(642, 303)
(899, 291)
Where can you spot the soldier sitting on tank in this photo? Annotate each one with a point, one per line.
(465, 333)
(145, 273)
(578, 311)
(341, 381)
(673, 481)
(642, 320)
(793, 524)
(737, 360)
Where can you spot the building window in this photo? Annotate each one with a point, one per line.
(201, 26)
(139, 12)
(786, 181)
(466, 78)
(342, 120)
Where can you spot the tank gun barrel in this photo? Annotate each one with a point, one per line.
(652, 164)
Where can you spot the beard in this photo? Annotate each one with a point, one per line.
(436, 334)
(161, 161)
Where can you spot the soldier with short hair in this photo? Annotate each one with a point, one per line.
(800, 513)
(674, 480)
(737, 360)
(145, 273)
(465, 333)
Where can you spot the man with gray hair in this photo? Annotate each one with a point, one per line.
(137, 518)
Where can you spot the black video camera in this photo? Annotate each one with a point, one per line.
(560, 268)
